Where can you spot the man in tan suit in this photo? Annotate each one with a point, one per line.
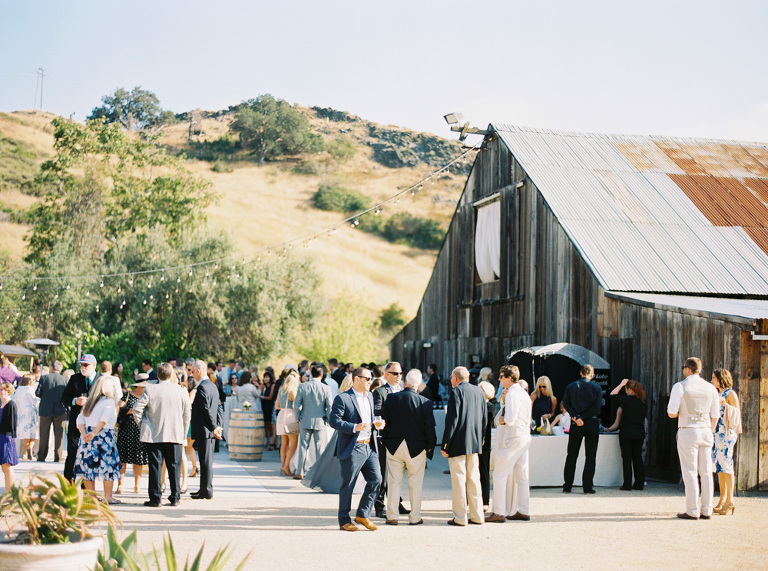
(163, 414)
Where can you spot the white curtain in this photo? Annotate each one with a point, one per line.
(488, 242)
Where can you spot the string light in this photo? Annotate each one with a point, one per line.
(286, 246)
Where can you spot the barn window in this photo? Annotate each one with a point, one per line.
(488, 241)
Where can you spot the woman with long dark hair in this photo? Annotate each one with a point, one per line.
(726, 433)
(267, 406)
(630, 421)
(8, 455)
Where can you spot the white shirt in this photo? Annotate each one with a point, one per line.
(104, 410)
(701, 396)
(365, 413)
(517, 409)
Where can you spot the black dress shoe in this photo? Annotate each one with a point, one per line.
(702, 516)
(686, 516)
(174, 503)
(151, 504)
(566, 490)
(626, 488)
(199, 497)
(592, 491)
(403, 511)
(454, 522)
(381, 514)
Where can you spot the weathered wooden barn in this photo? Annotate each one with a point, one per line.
(645, 250)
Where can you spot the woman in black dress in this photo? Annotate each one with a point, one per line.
(267, 405)
(630, 420)
(129, 445)
(8, 455)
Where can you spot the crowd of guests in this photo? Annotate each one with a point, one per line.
(375, 420)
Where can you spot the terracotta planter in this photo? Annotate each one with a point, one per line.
(75, 556)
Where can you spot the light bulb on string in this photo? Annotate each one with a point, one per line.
(101, 284)
(87, 292)
(23, 296)
(167, 295)
(68, 285)
(178, 280)
(97, 308)
(162, 277)
(34, 287)
(119, 288)
(145, 302)
(190, 273)
(149, 285)
(151, 297)
(130, 282)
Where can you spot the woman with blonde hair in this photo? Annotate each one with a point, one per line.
(726, 432)
(27, 409)
(346, 383)
(287, 421)
(97, 456)
(544, 403)
(8, 455)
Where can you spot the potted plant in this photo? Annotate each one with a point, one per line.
(48, 525)
(117, 556)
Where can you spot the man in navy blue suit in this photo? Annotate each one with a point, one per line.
(352, 417)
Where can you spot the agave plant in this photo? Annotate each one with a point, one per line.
(125, 556)
(51, 509)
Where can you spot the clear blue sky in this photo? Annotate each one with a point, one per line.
(665, 67)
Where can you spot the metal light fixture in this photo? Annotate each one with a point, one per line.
(454, 120)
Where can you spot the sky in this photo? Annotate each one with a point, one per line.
(682, 68)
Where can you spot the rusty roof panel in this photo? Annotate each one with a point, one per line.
(745, 158)
(673, 215)
(680, 157)
(708, 206)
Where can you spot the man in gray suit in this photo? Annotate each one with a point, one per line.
(52, 412)
(163, 414)
(313, 407)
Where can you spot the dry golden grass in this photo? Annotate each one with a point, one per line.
(263, 206)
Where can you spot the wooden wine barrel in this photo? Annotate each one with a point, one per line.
(246, 435)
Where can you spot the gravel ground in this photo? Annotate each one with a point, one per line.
(286, 526)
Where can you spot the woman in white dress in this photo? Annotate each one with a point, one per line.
(27, 406)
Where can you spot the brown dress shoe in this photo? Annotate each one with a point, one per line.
(417, 522)
(495, 518)
(519, 517)
(686, 516)
(392, 522)
(454, 522)
(349, 527)
(298, 477)
(366, 523)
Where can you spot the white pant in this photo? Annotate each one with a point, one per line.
(510, 478)
(465, 488)
(397, 464)
(694, 447)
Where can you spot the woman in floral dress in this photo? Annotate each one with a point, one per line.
(97, 457)
(725, 440)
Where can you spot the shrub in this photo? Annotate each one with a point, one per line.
(415, 231)
(391, 318)
(333, 196)
(221, 167)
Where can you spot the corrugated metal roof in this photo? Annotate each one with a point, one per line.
(743, 308)
(655, 214)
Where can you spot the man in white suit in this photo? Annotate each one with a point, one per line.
(696, 405)
(513, 439)
(313, 407)
(163, 415)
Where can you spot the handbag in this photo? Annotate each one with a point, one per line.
(292, 424)
(732, 418)
(546, 428)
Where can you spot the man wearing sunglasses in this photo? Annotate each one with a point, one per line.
(352, 417)
(73, 397)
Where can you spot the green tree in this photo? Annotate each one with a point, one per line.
(272, 128)
(347, 330)
(137, 109)
(341, 149)
(391, 318)
(105, 184)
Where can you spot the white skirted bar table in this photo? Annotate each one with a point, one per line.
(547, 459)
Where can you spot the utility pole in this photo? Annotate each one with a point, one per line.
(41, 75)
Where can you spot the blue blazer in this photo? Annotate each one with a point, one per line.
(344, 416)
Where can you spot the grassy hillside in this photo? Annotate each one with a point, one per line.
(260, 206)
